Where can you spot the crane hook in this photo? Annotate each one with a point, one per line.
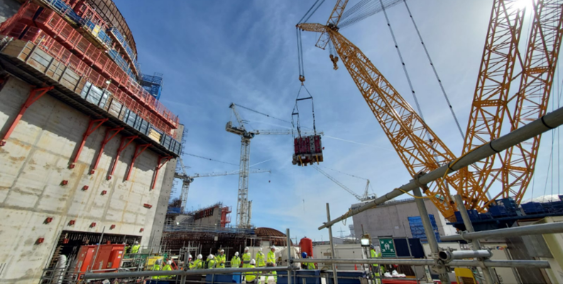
(334, 60)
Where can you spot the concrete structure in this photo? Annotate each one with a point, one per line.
(47, 201)
(391, 219)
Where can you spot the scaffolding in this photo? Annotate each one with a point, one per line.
(152, 84)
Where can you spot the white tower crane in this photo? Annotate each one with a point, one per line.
(188, 179)
(243, 205)
(362, 198)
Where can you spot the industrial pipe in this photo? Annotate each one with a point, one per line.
(537, 127)
(90, 275)
(538, 229)
(456, 263)
(461, 254)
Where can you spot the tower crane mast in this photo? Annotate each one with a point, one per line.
(243, 204)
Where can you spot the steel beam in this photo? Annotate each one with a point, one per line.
(107, 137)
(161, 162)
(536, 127)
(125, 141)
(139, 149)
(538, 229)
(92, 275)
(34, 95)
(93, 125)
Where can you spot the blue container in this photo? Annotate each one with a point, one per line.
(310, 276)
(223, 278)
(346, 277)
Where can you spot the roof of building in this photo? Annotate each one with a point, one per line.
(268, 232)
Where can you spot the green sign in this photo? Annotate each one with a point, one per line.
(387, 248)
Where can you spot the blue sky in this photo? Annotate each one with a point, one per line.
(213, 53)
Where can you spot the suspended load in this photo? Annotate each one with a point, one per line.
(308, 149)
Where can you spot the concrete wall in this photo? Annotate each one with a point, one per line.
(392, 220)
(162, 205)
(34, 162)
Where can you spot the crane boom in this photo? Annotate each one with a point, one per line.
(188, 179)
(419, 148)
(338, 183)
(489, 104)
(333, 21)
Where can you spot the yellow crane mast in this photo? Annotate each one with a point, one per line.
(418, 146)
(511, 172)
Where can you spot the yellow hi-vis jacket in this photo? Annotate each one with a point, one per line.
(156, 267)
(221, 259)
(260, 259)
(250, 276)
(235, 262)
(246, 260)
(198, 264)
(135, 248)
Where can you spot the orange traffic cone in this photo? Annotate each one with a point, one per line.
(355, 267)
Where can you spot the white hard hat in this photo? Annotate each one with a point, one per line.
(221, 250)
(246, 249)
(136, 242)
(260, 249)
(273, 247)
(199, 256)
(169, 262)
(236, 253)
(211, 256)
(189, 256)
(253, 262)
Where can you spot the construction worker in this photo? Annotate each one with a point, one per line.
(235, 261)
(127, 248)
(307, 265)
(156, 267)
(136, 247)
(250, 276)
(260, 262)
(211, 262)
(221, 259)
(376, 268)
(246, 258)
(271, 261)
(190, 264)
(198, 264)
(167, 267)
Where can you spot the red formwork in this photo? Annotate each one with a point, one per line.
(67, 39)
(31, 34)
(16, 30)
(86, 12)
(28, 14)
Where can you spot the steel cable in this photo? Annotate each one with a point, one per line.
(435, 72)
